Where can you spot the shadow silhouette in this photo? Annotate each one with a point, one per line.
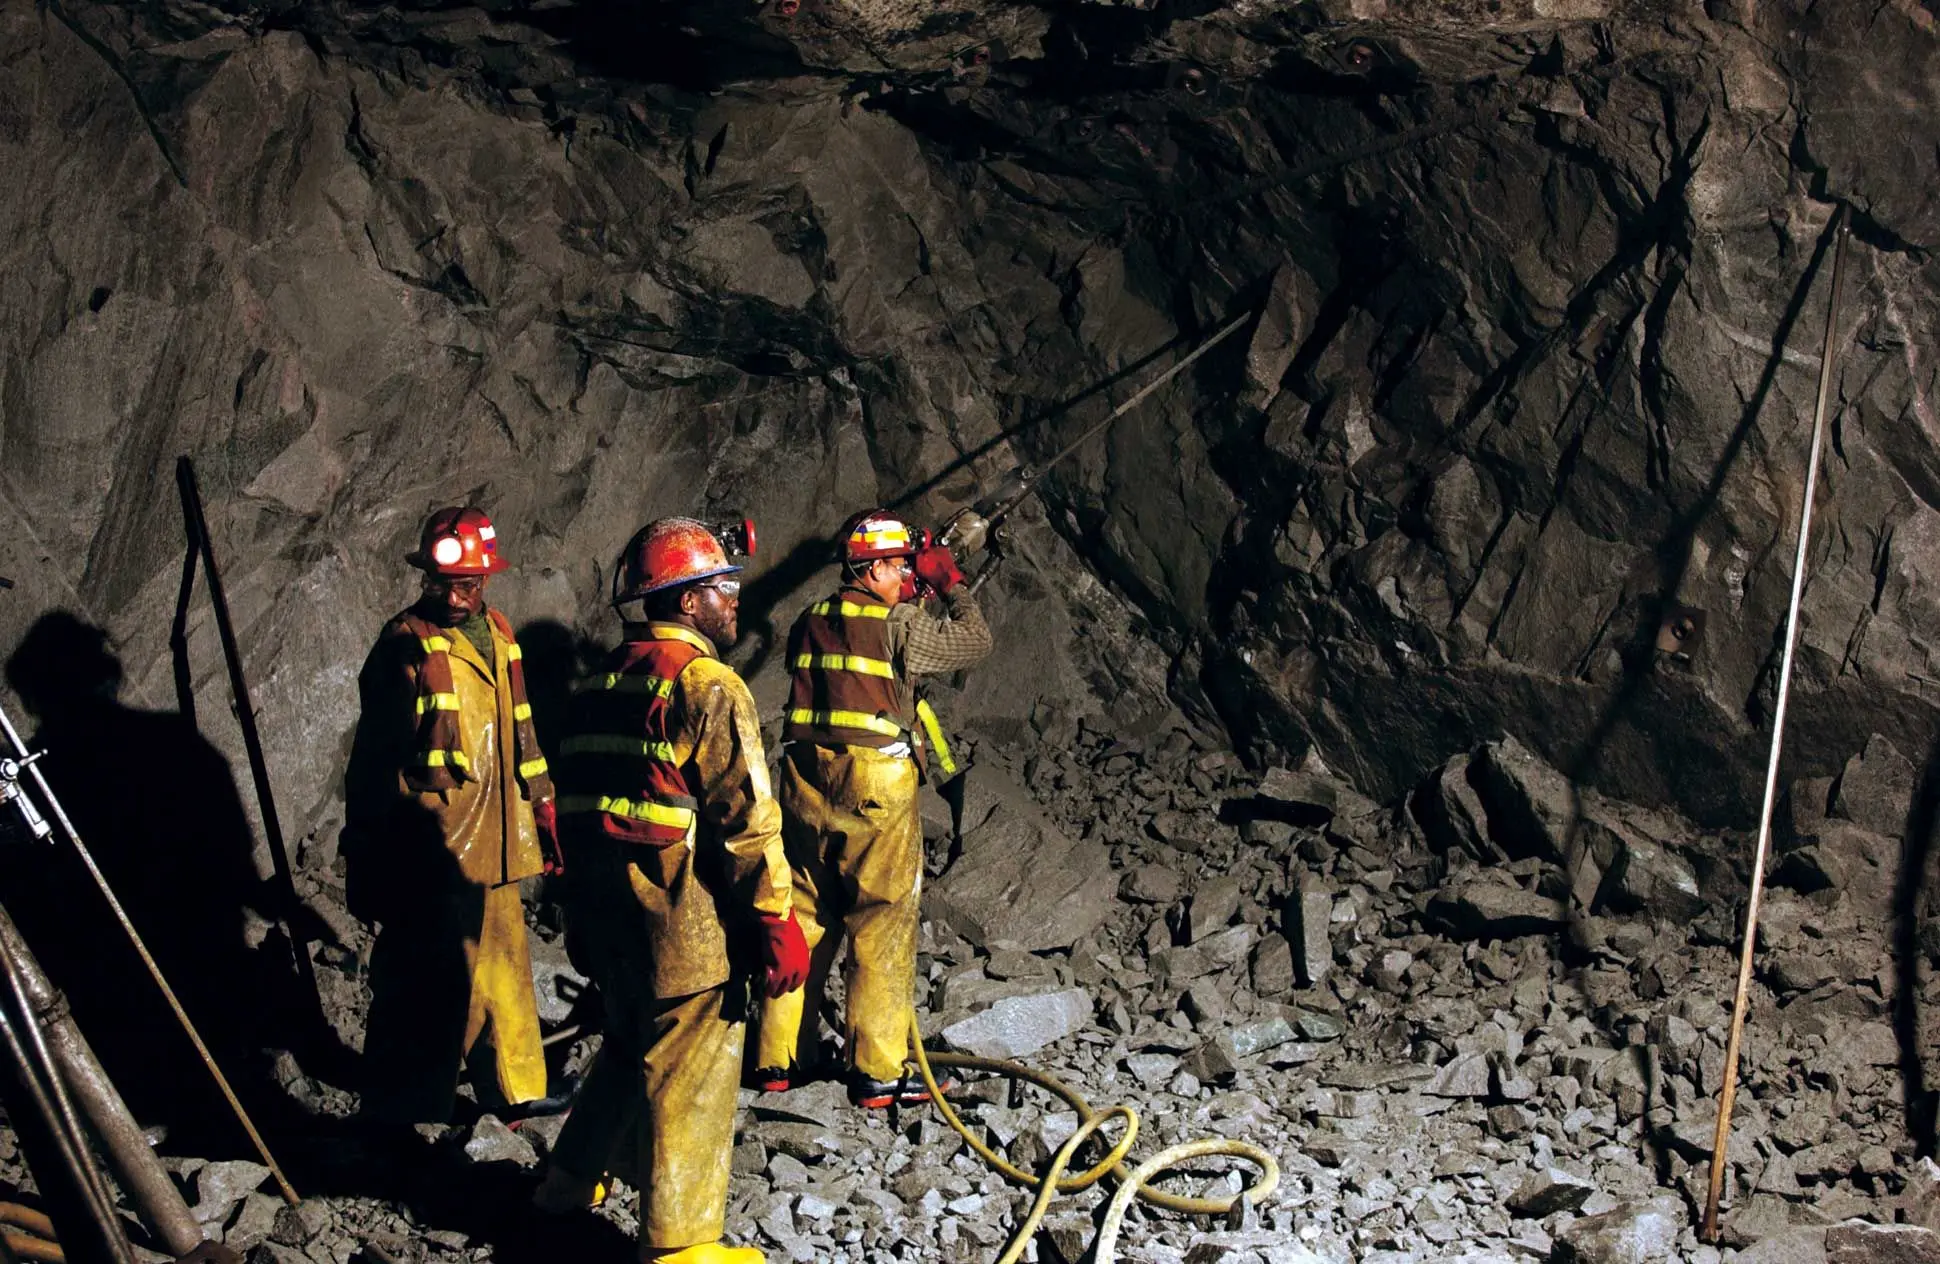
(1922, 1104)
(157, 806)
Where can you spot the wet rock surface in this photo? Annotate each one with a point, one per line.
(1335, 794)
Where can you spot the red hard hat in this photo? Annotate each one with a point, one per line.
(670, 551)
(875, 533)
(458, 542)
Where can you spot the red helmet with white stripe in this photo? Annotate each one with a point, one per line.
(458, 542)
(875, 533)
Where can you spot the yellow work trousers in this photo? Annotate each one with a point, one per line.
(657, 1108)
(855, 843)
(458, 972)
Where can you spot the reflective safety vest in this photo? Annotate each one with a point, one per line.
(440, 762)
(616, 764)
(846, 691)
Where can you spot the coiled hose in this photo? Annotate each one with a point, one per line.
(1133, 1185)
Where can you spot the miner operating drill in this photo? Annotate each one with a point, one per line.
(680, 892)
(856, 741)
(448, 806)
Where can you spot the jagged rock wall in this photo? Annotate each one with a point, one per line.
(1542, 291)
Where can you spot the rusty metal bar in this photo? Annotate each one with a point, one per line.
(65, 1170)
(59, 813)
(140, 1172)
(197, 524)
(1729, 1092)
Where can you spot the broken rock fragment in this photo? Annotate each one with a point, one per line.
(1483, 908)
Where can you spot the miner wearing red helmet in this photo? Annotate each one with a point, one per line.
(675, 838)
(855, 741)
(448, 807)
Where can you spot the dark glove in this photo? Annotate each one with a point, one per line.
(545, 818)
(785, 954)
(936, 567)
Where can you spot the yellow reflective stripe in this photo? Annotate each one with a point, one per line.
(532, 768)
(939, 745)
(847, 662)
(522, 711)
(434, 644)
(650, 812)
(606, 744)
(439, 758)
(437, 702)
(513, 653)
(621, 682)
(849, 610)
(845, 720)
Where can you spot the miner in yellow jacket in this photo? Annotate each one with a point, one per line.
(854, 741)
(680, 894)
(448, 806)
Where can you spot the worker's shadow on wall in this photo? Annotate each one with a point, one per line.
(1910, 903)
(157, 806)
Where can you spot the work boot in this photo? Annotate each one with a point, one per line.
(561, 1193)
(882, 1094)
(705, 1253)
(771, 1080)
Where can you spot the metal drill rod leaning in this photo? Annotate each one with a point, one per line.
(59, 814)
(969, 531)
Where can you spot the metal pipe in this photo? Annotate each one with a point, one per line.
(198, 529)
(59, 813)
(136, 1165)
(1727, 1097)
(71, 1180)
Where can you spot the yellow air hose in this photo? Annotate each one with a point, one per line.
(1132, 1185)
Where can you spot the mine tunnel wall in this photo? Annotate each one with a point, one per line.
(1537, 356)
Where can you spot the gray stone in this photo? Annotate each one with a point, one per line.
(1531, 807)
(1213, 905)
(1020, 1026)
(823, 1103)
(1549, 1191)
(1802, 1245)
(1464, 1076)
(1153, 884)
(1309, 911)
(1876, 789)
(1859, 1243)
(221, 1185)
(554, 981)
(1635, 1233)
(1271, 967)
(1845, 857)
(1483, 908)
(1062, 895)
(1451, 813)
(253, 1223)
(1324, 796)
(492, 1142)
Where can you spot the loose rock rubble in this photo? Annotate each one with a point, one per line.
(1485, 1023)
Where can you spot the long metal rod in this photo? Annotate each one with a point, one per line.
(59, 813)
(87, 1210)
(113, 1126)
(198, 529)
(1138, 397)
(1728, 1095)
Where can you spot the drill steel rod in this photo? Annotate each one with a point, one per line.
(59, 813)
(135, 1163)
(198, 528)
(1138, 397)
(71, 1181)
(1728, 1094)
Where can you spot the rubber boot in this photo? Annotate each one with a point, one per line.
(706, 1253)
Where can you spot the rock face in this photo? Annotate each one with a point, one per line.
(1485, 433)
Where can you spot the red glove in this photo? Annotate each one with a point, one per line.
(936, 567)
(786, 954)
(545, 817)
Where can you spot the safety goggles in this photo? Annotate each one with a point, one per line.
(729, 588)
